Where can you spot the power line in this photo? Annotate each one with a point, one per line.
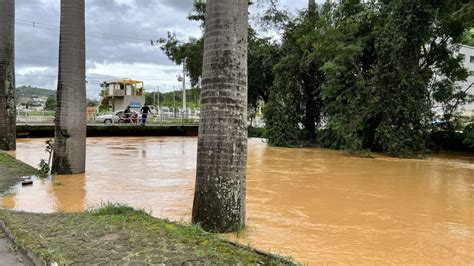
(54, 76)
(119, 67)
(114, 67)
(55, 28)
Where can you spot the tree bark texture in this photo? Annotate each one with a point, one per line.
(311, 6)
(70, 121)
(7, 76)
(219, 200)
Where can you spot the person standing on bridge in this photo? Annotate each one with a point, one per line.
(145, 110)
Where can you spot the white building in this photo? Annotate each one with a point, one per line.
(467, 52)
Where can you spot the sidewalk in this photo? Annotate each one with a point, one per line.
(7, 254)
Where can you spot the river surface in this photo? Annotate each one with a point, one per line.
(318, 206)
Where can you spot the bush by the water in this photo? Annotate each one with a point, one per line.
(256, 132)
(448, 140)
(468, 137)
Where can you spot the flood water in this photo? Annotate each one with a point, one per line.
(318, 206)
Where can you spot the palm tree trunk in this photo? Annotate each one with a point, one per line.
(7, 76)
(311, 6)
(70, 122)
(219, 200)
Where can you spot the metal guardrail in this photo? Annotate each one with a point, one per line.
(47, 117)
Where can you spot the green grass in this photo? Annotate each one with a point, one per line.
(12, 166)
(117, 234)
(115, 209)
(11, 171)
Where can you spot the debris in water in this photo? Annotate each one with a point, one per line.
(27, 182)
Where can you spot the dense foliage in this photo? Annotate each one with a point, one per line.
(50, 104)
(367, 76)
(174, 99)
(353, 75)
(468, 38)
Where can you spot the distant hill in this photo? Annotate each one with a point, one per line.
(28, 90)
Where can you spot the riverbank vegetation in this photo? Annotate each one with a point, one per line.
(353, 75)
(369, 76)
(118, 234)
(11, 171)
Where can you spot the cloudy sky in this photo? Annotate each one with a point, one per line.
(118, 40)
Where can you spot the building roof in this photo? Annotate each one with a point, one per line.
(124, 81)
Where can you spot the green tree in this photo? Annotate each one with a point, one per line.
(189, 53)
(50, 104)
(349, 56)
(263, 55)
(7, 76)
(219, 199)
(370, 72)
(411, 46)
(296, 96)
(468, 38)
(70, 122)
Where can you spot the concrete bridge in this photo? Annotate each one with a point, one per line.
(101, 130)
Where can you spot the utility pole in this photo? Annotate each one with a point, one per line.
(158, 88)
(174, 102)
(184, 87)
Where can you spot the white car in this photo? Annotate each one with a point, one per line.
(153, 111)
(116, 118)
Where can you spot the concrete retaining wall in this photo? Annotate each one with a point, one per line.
(47, 131)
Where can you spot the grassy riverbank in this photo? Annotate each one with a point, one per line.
(119, 234)
(11, 171)
(113, 234)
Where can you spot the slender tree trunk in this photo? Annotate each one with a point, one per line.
(70, 122)
(311, 111)
(219, 200)
(7, 76)
(312, 6)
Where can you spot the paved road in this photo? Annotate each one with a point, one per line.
(7, 256)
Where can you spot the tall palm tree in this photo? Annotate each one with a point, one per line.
(312, 5)
(219, 200)
(70, 122)
(7, 76)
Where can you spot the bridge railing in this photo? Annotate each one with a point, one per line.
(47, 117)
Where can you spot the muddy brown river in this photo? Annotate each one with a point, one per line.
(318, 206)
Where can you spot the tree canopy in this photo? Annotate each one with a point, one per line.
(354, 75)
(367, 75)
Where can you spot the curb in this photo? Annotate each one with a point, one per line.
(263, 253)
(34, 260)
(26, 252)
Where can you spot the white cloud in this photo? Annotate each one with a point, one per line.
(118, 40)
